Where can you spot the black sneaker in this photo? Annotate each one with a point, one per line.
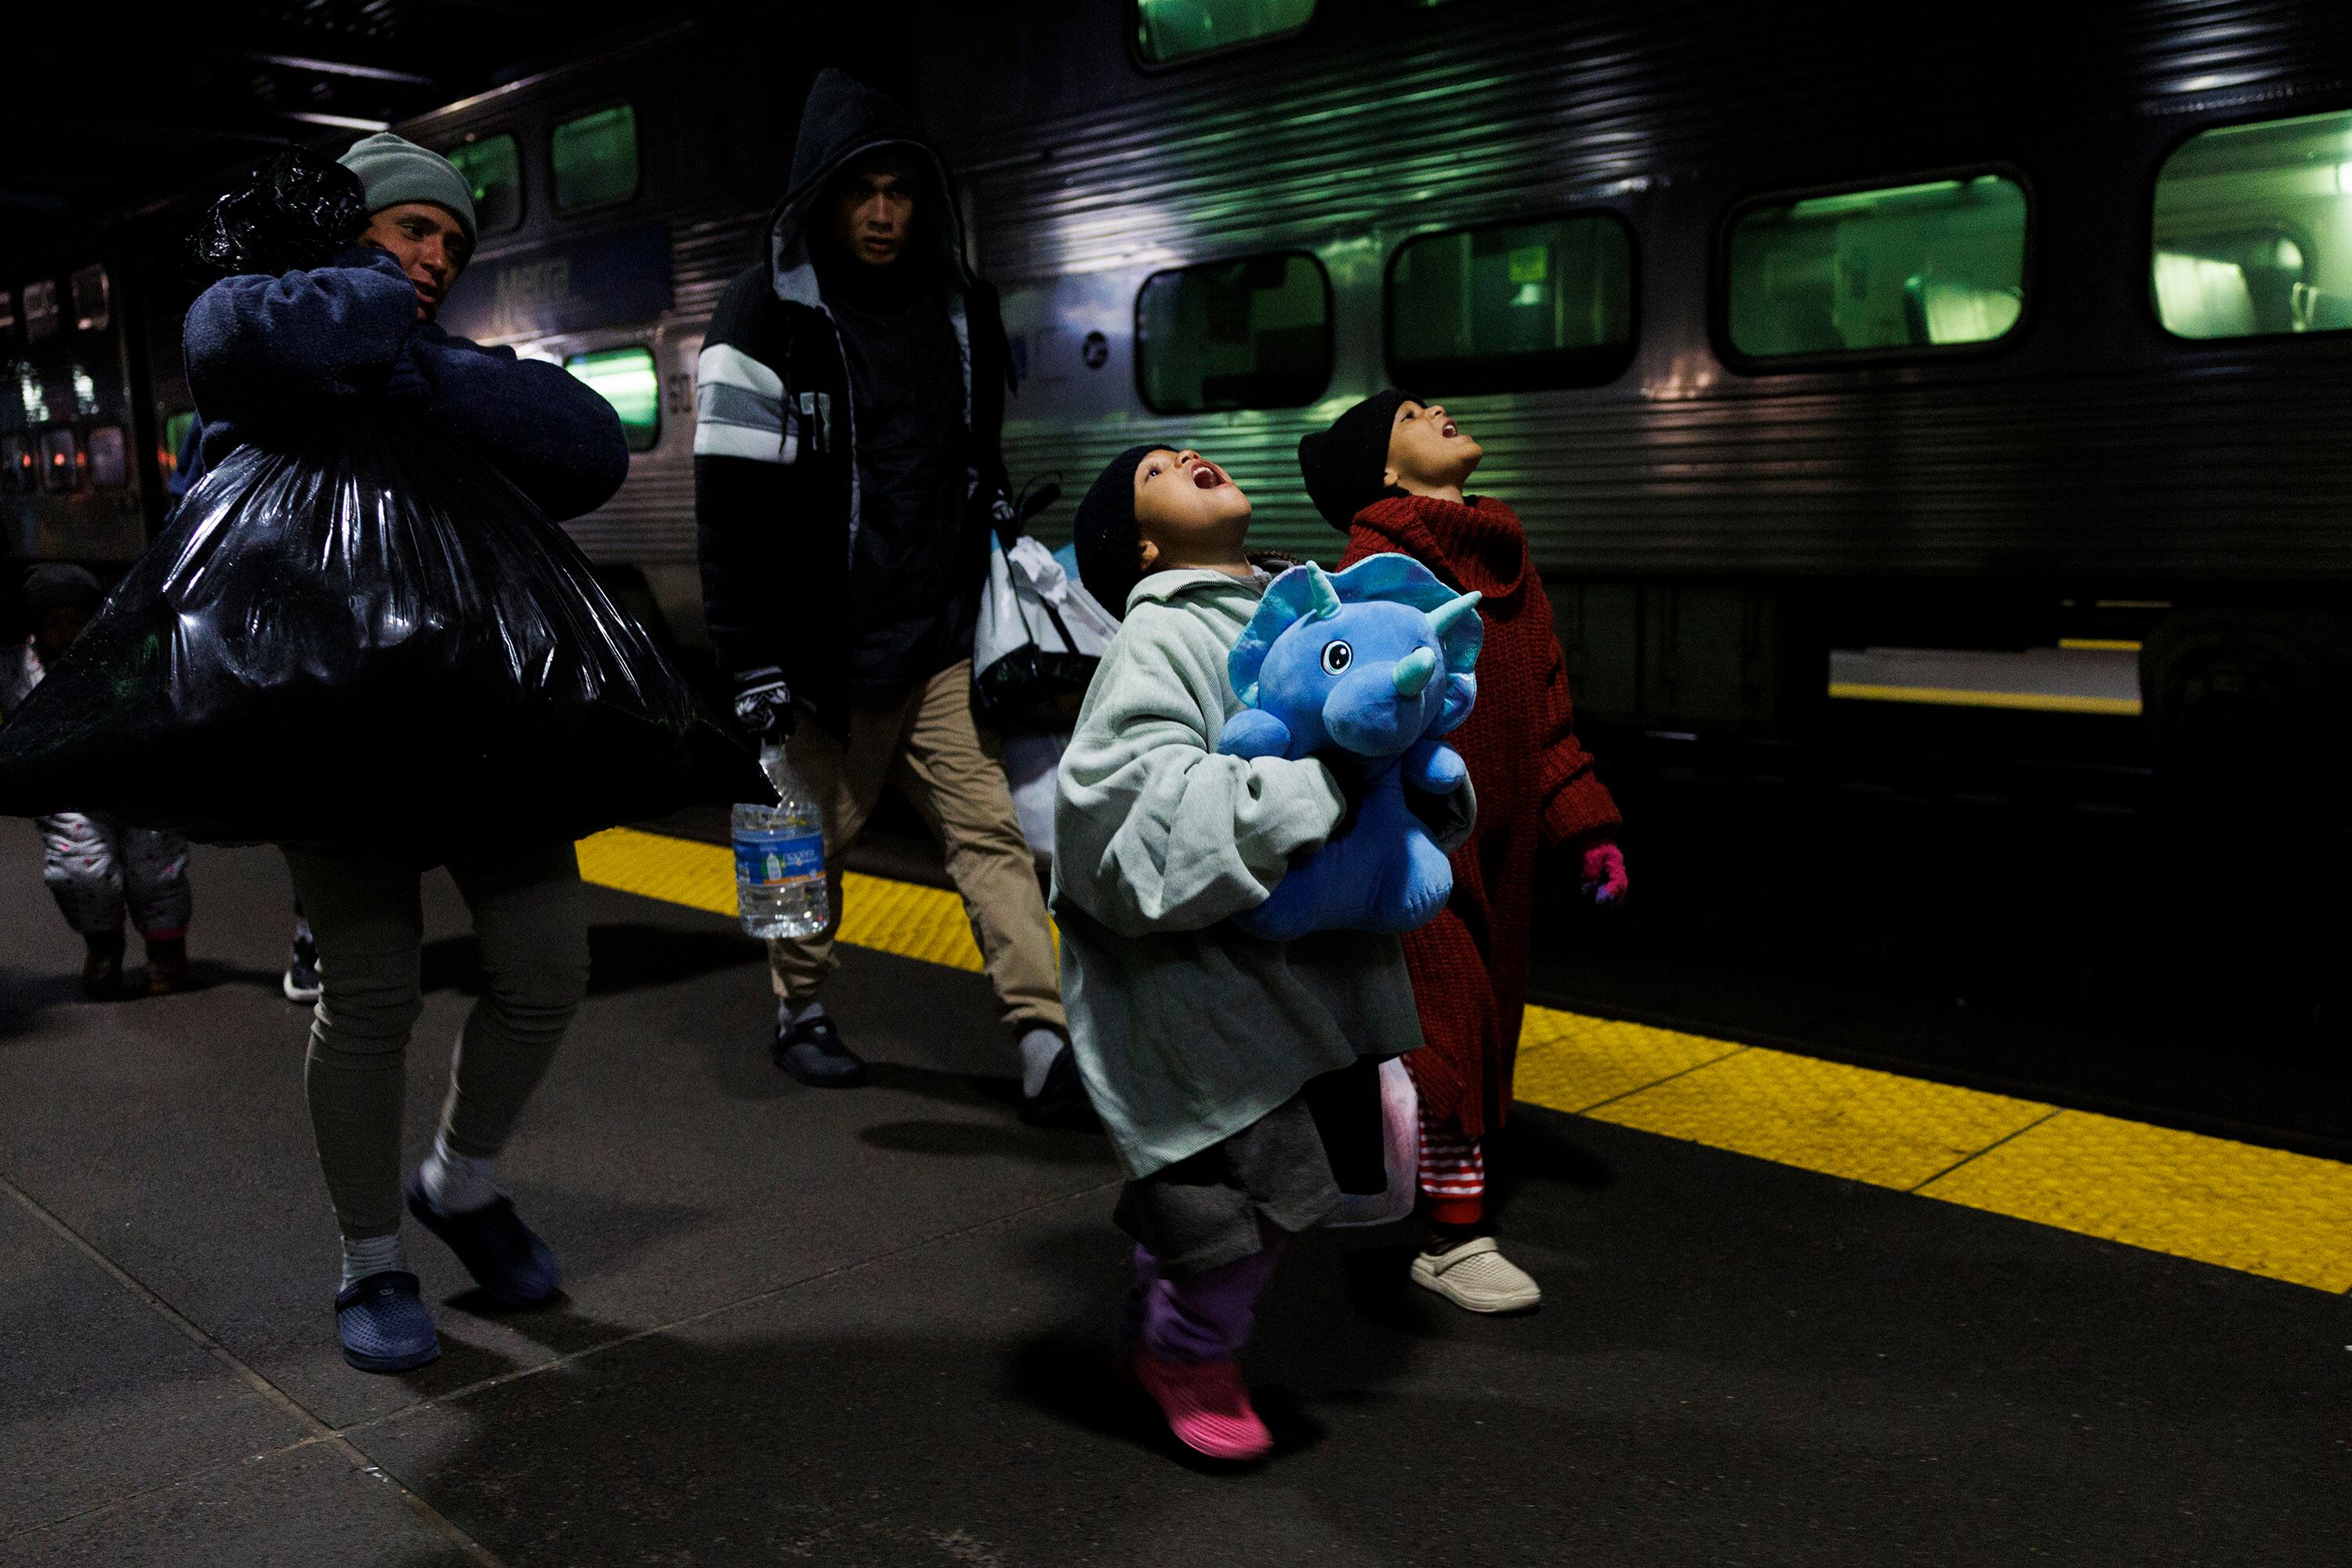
(811, 1051)
(1061, 1100)
(302, 981)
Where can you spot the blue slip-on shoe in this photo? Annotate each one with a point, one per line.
(811, 1051)
(506, 1256)
(382, 1323)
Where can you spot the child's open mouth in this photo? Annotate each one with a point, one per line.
(1206, 477)
(1449, 429)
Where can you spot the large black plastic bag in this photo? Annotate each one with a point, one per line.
(364, 638)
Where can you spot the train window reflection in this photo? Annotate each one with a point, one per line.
(1939, 264)
(40, 311)
(93, 298)
(2252, 234)
(61, 461)
(493, 168)
(1513, 306)
(110, 460)
(32, 394)
(8, 318)
(16, 463)
(593, 158)
(1249, 333)
(1168, 30)
(625, 378)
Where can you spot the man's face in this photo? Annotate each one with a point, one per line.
(1427, 450)
(56, 629)
(430, 244)
(872, 210)
(1186, 509)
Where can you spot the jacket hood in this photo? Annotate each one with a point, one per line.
(1193, 581)
(845, 118)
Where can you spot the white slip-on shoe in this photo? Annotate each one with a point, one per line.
(1476, 1275)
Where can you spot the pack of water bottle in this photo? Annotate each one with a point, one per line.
(779, 857)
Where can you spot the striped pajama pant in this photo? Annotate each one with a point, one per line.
(1452, 1172)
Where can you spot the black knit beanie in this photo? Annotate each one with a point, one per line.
(1108, 540)
(52, 587)
(1342, 466)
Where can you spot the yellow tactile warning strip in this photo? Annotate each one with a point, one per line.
(2263, 1211)
(903, 918)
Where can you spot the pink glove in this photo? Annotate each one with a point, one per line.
(1604, 874)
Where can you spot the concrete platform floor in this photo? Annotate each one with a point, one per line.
(869, 1327)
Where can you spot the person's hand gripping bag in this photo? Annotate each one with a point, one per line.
(361, 637)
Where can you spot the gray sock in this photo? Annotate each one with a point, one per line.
(1039, 1046)
(363, 1256)
(789, 1013)
(456, 1183)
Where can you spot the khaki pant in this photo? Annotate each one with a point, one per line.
(922, 738)
(530, 917)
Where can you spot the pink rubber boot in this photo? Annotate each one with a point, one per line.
(1207, 1406)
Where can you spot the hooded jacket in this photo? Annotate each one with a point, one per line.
(787, 589)
(269, 354)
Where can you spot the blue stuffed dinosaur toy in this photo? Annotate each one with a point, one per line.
(1374, 661)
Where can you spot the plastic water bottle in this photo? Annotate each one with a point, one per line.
(779, 857)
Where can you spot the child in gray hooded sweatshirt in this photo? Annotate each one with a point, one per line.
(1207, 1053)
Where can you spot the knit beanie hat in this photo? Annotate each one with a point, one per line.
(1107, 539)
(393, 170)
(1342, 466)
(52, 587)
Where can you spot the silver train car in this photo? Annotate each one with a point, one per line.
(1963, 379)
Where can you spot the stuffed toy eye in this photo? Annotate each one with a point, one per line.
(1336, 657)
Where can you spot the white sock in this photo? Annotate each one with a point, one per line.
(789, 1013)
(455, 1182)
(363, 1256)
(1039, 1046)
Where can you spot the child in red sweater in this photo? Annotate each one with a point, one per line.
(1390, 472)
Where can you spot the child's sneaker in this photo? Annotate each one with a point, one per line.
(102, 968)
(1207, 1406)
(301, 980)
(167, 965)
(1476, 1275)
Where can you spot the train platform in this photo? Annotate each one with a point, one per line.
(1798, 1310)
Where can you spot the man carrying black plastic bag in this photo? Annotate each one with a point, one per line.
(261, 352)
(293, 375)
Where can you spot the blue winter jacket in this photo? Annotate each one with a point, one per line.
(268, 353)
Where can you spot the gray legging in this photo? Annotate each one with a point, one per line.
(533, 921)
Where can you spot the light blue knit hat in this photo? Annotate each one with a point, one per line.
(392, 170)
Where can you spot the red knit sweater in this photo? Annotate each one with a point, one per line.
(1536, 789)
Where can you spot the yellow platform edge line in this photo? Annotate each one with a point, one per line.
(1956, 697)
(2236, 1205)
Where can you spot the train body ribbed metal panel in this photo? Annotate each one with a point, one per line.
(2088, 443)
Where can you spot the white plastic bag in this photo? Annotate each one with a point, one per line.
(1401, 1121)
(1037, 640)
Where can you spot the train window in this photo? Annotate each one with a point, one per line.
(1170, 31)
(1939, 264)
(8, 318)
(32, 394)
(16, 463)
(92, 300)
(61, 461)
(109, 458)
(175, 438)
(625, 379)
(40, 311)
(493, 167)
(595, 158)
(1249, 333)
(1513, 306)
(2252, 234)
